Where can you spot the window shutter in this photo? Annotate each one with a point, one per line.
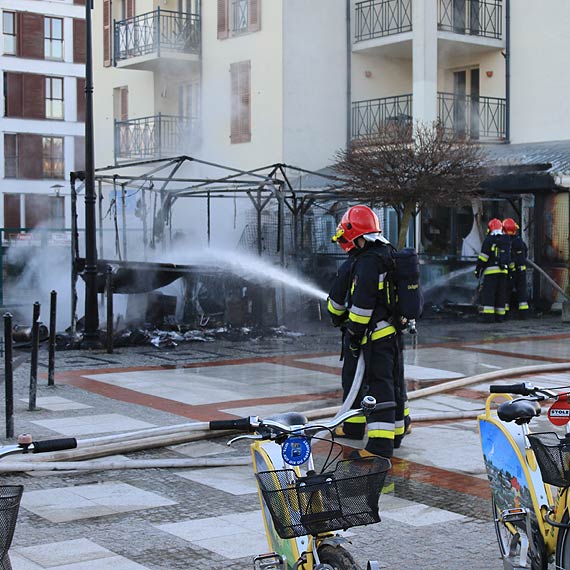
(222, 19)
(14, 94)
(80, 99)
(31, 35)
(37, 209)
(12, 211)
(130, 8)
(79, 153)
(78, 41)
(30, 156)
(124, 111)
(34, 106)
(10, 158)
(240, 78)
(254, 15)
(82, 2)
(107, 33)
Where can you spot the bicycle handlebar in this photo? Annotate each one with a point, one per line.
(26, 445)
(522, 389)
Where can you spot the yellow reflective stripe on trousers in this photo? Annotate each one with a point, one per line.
(332, 308)
(483, 257)
(493, 270)
(399, 430)
(356, 420)
(406, 410)
(382, 333)
(488, 310)
(380, 433)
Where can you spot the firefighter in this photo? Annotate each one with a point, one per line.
(517, 267)
(493, 263)
(355, 427)
(370, 328)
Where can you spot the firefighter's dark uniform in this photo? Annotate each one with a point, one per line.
(493, 262)
(336, 306)
(517, 270)
(370, 329)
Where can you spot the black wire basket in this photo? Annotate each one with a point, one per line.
(317, 503)
(553, 457)
(10, 496)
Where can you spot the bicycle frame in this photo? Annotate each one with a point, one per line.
(516, 483)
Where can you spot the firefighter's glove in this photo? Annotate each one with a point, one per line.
(478, 271)
(354, 348)
(338, 320)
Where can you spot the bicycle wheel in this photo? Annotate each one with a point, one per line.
(337, 557)
(563, 547)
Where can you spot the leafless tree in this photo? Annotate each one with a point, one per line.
(410, 166)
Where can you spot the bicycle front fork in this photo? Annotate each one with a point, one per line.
(520, 541)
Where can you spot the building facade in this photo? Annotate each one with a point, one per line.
(42, 125)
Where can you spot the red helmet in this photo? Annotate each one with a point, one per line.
(495, 224)
(357, 221)
(342, 241)
(510, 227)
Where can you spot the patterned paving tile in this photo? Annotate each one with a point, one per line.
(101, 423)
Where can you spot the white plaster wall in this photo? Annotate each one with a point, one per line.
(314, 81)
(540, 40)
(389, 77)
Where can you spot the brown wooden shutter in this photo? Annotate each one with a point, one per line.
(30, 156)
(14, 94)
(240, 102)
(37, 209)
(79, 153)
(223, 27)
(78, 41)
(124, 103)
(31, 35)
(34, 106)
(254, 15)
(12, 211)
(130, 8)
(107, 33)
(80, 99)
(11, 156)
(82, 2)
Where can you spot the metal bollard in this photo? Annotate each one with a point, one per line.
(34, 358)
(109, 291)
(51, 346)
(8, 375)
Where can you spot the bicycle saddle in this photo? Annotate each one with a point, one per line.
(519, 411)
(289, 418)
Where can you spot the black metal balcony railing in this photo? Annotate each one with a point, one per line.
(156, 32)
(474, 17)
(372, 116)
(472, 117)
(152, 137)
(379, 18)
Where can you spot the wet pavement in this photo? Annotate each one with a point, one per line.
(435, 507)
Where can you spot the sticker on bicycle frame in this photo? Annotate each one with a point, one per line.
(296, 450)
(559, 412)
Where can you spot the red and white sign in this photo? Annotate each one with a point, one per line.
(559, 412)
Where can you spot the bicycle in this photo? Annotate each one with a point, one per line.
(529, 476)
(301, 507)
(11, 495)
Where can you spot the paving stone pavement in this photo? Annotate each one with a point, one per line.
(195, 519)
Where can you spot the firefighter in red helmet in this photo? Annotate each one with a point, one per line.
(369, 329)
(517, 268)
(493, 263)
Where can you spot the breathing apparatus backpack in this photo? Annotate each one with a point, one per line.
(404, 279)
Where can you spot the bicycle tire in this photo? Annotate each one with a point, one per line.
(563, 546)
(538, 559)
(337, 557)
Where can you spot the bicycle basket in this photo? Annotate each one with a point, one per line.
(553, 457)
(339, 499)
(10, 496)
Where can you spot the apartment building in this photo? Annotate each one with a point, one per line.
(42, 125)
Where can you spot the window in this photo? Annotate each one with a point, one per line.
(239, 16)
(52, 157)
(53, 38)
(240, 77)
(11, 156)
(9, 30)
(54, 98)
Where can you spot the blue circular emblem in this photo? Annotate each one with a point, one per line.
(296, 450)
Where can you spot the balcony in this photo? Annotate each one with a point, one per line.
(143, 41)
(380, 18)
(158, 136)
(476, 118)
(369, 117)
(478, 18)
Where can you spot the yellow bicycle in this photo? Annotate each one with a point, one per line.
(303, 506)
(529, 476)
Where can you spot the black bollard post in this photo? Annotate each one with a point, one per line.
(51, 347)
(8, 375)
(34, 358)
(109, 290)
